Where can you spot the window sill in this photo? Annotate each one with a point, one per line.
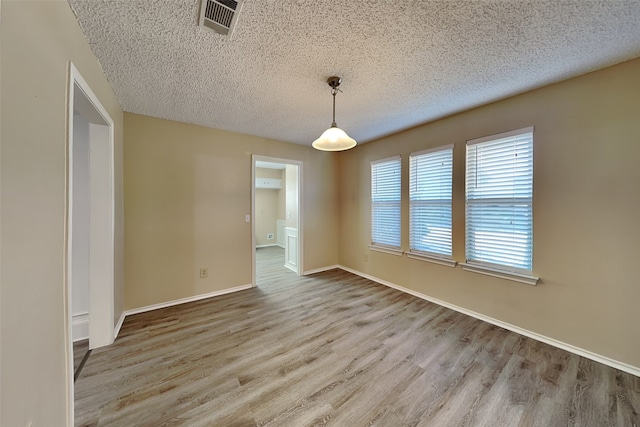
(386, 250)
(489, 271)
(431, 258)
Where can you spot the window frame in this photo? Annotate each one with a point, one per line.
(511, 202)
(396, 203)
(414, 252)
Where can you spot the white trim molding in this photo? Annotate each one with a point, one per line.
(102, 228)
(431, 258)
(80, 325)
(432, 150)
(320, 270)
(386, 250)
(507, 134)
(116, 330)
(633, 370)
(186, 300)
(300, 223)
(502, 274)
(126, 313)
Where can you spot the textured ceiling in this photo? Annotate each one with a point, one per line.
(402, 62)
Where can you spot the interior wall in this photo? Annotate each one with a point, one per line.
(38, 40)
(187, 191)
(80, 245)
(266, 200)
(585, 207)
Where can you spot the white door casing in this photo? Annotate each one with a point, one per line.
(83, 102)
(298, 256)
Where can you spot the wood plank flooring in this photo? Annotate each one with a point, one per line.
(80, 348)
(334, 349)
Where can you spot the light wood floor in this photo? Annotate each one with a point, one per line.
(337, 350)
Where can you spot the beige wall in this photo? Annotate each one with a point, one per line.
(187, 191)
(586, 204)
(267, 207)
(38, 38)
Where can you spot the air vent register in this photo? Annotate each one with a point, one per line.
(220, 15)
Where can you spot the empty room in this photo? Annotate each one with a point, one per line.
(310, 213)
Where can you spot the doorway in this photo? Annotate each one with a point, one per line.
(276, 215)
(90, 225)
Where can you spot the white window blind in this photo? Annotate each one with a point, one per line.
(499, 195)
(430, 176)
(386, 202)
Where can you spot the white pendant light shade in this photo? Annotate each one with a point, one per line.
(334, 139)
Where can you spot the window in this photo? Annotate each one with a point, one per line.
(386, 203)
(499, 195)
(430, 175)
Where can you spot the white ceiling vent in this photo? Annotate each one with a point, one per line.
(220, 15)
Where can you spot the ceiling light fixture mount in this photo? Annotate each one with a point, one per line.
(334, 138)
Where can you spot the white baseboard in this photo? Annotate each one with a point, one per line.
(291, 268)
(321, 269)
(116, 330)
(266, 246)
(185, 300)
(633, 370)
(80, 326)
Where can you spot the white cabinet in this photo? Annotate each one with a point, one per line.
(273, 183)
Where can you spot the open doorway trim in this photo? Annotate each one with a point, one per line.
(257, 158)
(101, 322)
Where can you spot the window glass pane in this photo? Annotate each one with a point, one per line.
(386, 202)
(430, 187)
(499, 195)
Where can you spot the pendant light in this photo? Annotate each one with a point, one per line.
(334, 138)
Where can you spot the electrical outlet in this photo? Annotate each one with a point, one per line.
(204, 272)
(270, 236)
(366, 258)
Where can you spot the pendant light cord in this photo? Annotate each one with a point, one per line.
(333, 92)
